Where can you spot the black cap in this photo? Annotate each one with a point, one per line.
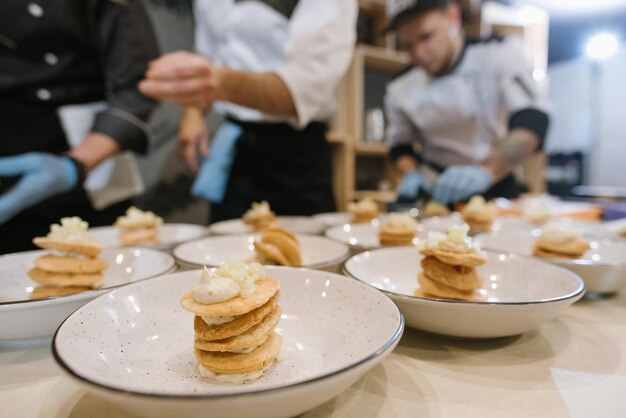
(399, 10)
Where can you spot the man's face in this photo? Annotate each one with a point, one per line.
(426, 38)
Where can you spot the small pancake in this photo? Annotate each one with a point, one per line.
(574, 247)
(64, 264)
(271, 252)
(254, 336)
(470, 259)
(266, 288)
(394, 236)
(435, 209)
(286, 243)
(459, 277)
(41, 292)
(235, 363)
(63, 279)
(240, 325)
(88, 248)
(125, 223)
(439, 290)
(363, 217)
(549, 254)
(139, 236)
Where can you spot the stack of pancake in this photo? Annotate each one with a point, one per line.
(278, 246)
(234, 340)
(434, 208)
(449, 268)
(138, 227)
(74, 267)
(557, 241)
(399, 229)
(259, 216)
(363, 211)
(479, 215)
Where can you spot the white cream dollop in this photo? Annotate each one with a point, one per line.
(557, 234)
(71, 228)
(477, 204)
(218, 320)
(212, 288)
(231, 279)
(258, 210)
(137, 215)
(455, 240)
(364, 205)
(401, 220)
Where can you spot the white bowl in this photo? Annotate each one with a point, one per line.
(333, 218)
(169, 236)
(360, 237)
(520, 293)
(295, 224)
(134, 346)
(317, 252)
(603, 267)
(23, 318)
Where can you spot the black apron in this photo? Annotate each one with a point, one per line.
(289, 168)
(26, 128)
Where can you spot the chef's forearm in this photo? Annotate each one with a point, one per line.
(520, 145)
(265, 92)
(94, 149)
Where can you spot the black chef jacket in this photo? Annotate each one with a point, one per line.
(67, 52)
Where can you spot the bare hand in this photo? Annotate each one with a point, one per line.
(182, 78)
(193, 138)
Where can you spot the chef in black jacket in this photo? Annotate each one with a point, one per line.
(55, 53)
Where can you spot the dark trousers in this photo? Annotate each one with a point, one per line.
(291, 169)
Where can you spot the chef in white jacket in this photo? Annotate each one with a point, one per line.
(271, 68)
(465, 113)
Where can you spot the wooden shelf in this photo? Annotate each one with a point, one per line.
(337, 137)
(384, 196)
(383, 59)
(377, 7)
(372, 149)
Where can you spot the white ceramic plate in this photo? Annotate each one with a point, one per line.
(317, 252)
(520, 293)
(334, 218)
(22, 318)
(170, 235)
(360, 236)
(295, 224)
(603, 267)
(135, 346)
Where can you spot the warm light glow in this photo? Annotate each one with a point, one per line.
(601, 46)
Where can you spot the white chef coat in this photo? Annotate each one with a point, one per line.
(460, 117)
(310, 49)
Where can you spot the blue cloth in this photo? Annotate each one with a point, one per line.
(41, 175)
(411, 184)
(212, 179)
(460, 182)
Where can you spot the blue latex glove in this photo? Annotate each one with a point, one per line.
(214, 172)
(41, 175)
(411, 184)
(460, 182)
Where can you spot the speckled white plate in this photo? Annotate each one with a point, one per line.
(519, 293)
(360, 236)
(603, 267)
(334, 218)
(170, 235)
(295, 224)
(135, 346)
(22, 317)
(317, 252)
